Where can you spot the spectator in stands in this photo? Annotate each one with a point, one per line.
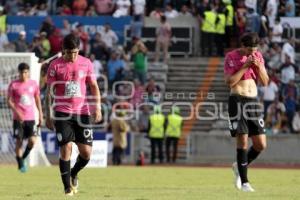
(109, 37)
(184, 11)
(12, 7)
(290, 8)
(115, 68)
(290, 105)
(138, 18)
(281, 8)
(290, 90)
(272, 10)
(42, 10)
(104, 7)
(229, 10)
(21, 44)
(276, 119)
(47, 26)
(91, 11)
(137, 97)
(240, 17)
(288, 71)
(251, 4)
(163, 39)
(99, 48)
(157, 13)
(269, 94)
(123, 8)
(277, 31)
(45, 45)
(84, 38)
(153, 92)
(296, 121)
(4, 43)
(273, 56)
(55, 40)
(66, 30)
(98, 69)
(27, 10)
(119, 128)
(139, 54)
(263, 47)
(2, 19)
(208, 30)
(143, 118)
(36, 46)
(264, 26)
(288, 49)
(170, 12)
(139, 8)
(252, 21)
(64, 10)
(79, 7)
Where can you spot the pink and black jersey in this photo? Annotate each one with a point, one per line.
(68, 81)
(23, 96)
(234, 62)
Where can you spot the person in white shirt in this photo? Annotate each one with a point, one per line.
(170, 12)
(269, 94)
(109, 37)
(277, 32)
(272, 9)
(123, 7)
(139, 7)
(288, 71)
(98, 68)
(185, 11)
(251, 4)
(288, 50)
(3, 41)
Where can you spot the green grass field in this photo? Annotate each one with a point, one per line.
(149, 183)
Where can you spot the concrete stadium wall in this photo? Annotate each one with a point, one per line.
(212, 149)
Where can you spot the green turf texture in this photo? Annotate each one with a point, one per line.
(149, 183)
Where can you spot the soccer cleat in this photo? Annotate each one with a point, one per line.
(23, 167)
(237, 180)
(69, 192)
(74, 184)
(246, 187)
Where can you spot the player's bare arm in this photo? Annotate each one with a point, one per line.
(96, 94)
(232, 80)
(39, 107)
(13, 107)
(48, 99)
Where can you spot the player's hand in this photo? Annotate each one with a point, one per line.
(20, 117)
(49, 123)
(249, 61)
(97, 115)
(40, 121)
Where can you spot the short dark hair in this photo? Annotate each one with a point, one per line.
(71, 42)
(250, 40)
(23, 66)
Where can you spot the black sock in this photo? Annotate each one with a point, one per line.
(19, 160)
(79, 165)
(252, 154)
(65, 172)
(26, 152)
(242, 164)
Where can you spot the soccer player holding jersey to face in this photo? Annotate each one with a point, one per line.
(243, 68)
(23, 98)
(67, 80)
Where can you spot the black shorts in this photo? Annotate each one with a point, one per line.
(245, 116)
(24, 130)
(73, 128)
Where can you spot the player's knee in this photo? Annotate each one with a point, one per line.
(260, 146)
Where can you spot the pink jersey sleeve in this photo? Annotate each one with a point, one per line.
(90, 73)
(51, 74)
(229, 68)
(10, 90)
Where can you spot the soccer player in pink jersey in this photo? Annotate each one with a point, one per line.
(23, 98)
(67, 81)
(243, 68)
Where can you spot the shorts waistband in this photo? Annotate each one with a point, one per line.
(242, 97)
